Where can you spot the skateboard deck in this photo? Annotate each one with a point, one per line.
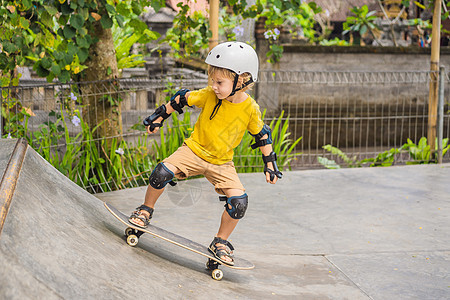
(134, 232)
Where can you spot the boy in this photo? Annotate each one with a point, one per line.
(227, 113)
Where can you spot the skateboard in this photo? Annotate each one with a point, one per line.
(133, 233)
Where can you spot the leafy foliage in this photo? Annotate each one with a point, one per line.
(248, 160)
(361, 21)
(124, 39)
(420, 154)
(61, 32)
(295, 15)
(190, 33)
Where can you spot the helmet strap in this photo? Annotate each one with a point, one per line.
(236, 78)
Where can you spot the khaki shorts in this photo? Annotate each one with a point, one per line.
(189, 164)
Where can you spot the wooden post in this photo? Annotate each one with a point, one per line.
(434, 78)
(440, 127)
(213, 26)
(214, 23)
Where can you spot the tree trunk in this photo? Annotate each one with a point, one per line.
(100, 89)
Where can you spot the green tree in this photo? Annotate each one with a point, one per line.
(190, 33)
(72, 40)
(13, 43)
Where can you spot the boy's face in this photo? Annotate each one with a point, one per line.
(221, 85)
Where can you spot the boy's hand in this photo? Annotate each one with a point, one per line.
(271, 168)
(153, 122)
(156, 129)
(268, 175)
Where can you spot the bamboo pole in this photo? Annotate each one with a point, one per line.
(434, 77)
(440, 127)
(213, 26)
(214, 23)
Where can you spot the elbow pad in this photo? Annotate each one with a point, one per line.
(182, 103)
(258, 141)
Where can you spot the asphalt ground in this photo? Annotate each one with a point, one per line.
(368, 233)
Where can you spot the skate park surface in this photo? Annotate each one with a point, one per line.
(367, 233)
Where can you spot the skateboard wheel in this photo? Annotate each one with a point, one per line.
(132, 240)
(129, 231)
(217, 274)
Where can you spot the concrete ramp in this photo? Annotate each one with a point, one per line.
(59, 241)
(349, 234)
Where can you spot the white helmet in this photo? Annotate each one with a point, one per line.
(235, 56)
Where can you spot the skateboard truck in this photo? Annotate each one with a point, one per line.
(133, 236)
(213, 266)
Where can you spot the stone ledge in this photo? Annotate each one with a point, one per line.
(294, 48)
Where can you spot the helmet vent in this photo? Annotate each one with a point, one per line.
(218, 56)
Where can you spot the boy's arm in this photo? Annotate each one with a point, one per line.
(176, 103)
(263, 141)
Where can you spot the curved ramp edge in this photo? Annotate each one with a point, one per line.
(10, 177)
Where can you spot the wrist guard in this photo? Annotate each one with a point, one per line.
(182, 103)
(272, 157)
(159, 112)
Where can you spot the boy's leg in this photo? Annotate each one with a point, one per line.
(226, 181)
(152, 195)
(227, 223)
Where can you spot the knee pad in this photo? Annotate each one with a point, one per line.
(238, 205)
(161, 176)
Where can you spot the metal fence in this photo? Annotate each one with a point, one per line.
(362, 114)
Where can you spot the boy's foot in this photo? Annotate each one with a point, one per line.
(141, 216)
(222, 250)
